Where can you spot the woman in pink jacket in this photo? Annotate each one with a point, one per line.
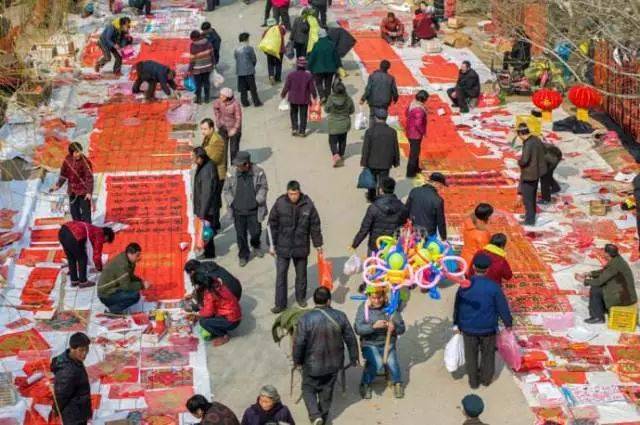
(416, 130)
(227, 115)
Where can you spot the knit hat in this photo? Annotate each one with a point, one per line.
(226, 92)
(438, 178)
(380, 113)
(271, 392)
(472, 405)
(301, 62)
(322, 33)
(482, 262)
(271, 22)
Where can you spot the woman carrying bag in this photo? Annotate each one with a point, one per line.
(340, 107)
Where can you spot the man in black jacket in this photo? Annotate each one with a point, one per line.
(380, 150)
(215, 271)
(467, 87)
(206, 205)
(549, 185)
(383, 217)
(318, 349)
(532, 166)
(154, 73)
(380, 91)
(71, 388)
(293, 221)
(426, 206)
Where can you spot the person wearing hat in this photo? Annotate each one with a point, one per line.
(268, 409)
(611, 286)
(416, 114)
(472, 406)
(323, 62)
(245, 57)
(380, 149)
(426, 206)
(299, 91)
(380, 91)
(475, 314)
(533, 166)
(499, 270)
(227, 116)
(392, 29)
(339, 108)
(274, 61)
(245, 193)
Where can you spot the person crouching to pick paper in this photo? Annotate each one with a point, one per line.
(154, 73)
(119, 288)
(82, 242)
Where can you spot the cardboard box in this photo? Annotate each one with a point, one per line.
(598, 208)
(457, 40)
(455, 23)
(431, 46)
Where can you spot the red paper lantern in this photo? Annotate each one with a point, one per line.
(547, 100)
(584, 98)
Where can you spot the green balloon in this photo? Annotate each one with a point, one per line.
(396, 261)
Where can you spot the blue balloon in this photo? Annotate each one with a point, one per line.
(190, 84)
(434, 293)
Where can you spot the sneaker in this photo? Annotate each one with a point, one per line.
(205, 334)
(398, 391)
(197, 101)
(277, 310)
(294, 133)
(243, 262)
(365, 391)
(257, 105)
(264, 24)
(302, 304)
(217, 342)
(302, 133)
(318, 421)
(258, 252)
(74, 283)
(87, 284)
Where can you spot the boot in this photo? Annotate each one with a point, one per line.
(398, 391)
(365, 391)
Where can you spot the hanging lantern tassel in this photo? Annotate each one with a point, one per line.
(547, 100)
(584, 98)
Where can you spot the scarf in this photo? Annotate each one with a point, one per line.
(495, 250)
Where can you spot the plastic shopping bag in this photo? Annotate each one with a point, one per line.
(216, 79)
(509, 349)
(361, 121)
(325, 272)
(315, 111)
(190, 84)
(454, 353)
(366, 180)
(284, 105)
(271, 42)
(289, 52)
(352, 266)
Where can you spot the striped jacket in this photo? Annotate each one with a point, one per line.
(202, 57)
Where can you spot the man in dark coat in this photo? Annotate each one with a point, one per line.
(549, 185)
(380, 149)
(71, 389)
(467, 87)
(318, 349)
(611, 286)
(206, 205)
(293, 222)
(520, 55)
(215, 271)
(426, 206)
(532, 166)
(154, 73)
(343, 40)
(380, 91)
(383, 217)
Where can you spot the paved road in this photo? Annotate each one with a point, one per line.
(251, 359)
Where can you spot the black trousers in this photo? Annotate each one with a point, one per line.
(210, 246)
(379, 175)
(597, 308)
(218, 200)
(76, 255)
(298, 114)
(323, 83)
(147, 7)
(413, 165)
(548, 185)
(80, 208)
(338, 144)
(211, 5)
(267, 10)
(461, 100)
(529, 192)
(150, 91)
(202, 86)
(281, 14)
(233, 142)
(322, 14)
(392, 39)
(247, 83)
(248, 231)
(274, 66)
(106, 57)
(282, 271)
(317, 393)
(479, 372)
(300, 49)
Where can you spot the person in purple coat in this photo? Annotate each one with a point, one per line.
(416, 130)
(299, 90)
(268, 409)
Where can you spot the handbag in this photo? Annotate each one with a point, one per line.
(366, 179)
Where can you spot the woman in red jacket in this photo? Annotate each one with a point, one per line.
(218, 309)
(416, 129)
(73, 237)
(77, 172)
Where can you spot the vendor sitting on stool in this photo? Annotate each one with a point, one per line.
(467, 87)
(612, 286)
(119, 288)
(425, 27)
(153, 73)
(391, 29)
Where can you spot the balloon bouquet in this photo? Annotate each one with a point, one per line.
(411, 260)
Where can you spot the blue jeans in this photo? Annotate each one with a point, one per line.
(120, 301)
(218, 325)
(373, 356)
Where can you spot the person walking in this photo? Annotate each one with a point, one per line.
(245, 57)
(373, 324)
(472, 407)
(71, 388)
(294, 222)
(380, 91)
(201, 63)
(214, 38)
(206, 205)
(380, 150)
(426, 206)
(476, 312)
(548, 184)
(281, 13)
(77, 172)
(475, 234)
(210, 413)
(323, 63)
(245, 193)
(119, 287)
(318, 349)
(274, 58)
(320, 7)
(113, 38)
(154, 73)
(268, 409)
(467, 87)
(227, 115)
(611, 286)
(416, 114)
(216, 149)
(339, 108)
(532, 166)
(499, 271)
(299, 90)
(74, 236)
(300, 33)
